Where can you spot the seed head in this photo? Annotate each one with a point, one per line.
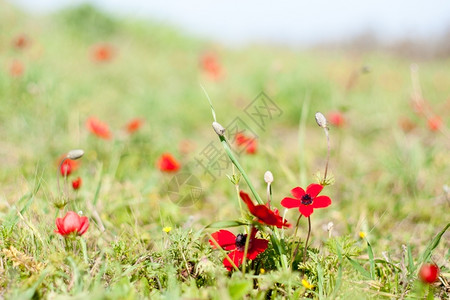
(75, 154)
(268, 177)
(321, 120)
(218, 129)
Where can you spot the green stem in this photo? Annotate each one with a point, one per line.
(239, 167)
(307, 239)
(328, 153)
(247, 243)
(294, 253)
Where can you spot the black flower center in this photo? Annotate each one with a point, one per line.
(306, 199)
(240, 242)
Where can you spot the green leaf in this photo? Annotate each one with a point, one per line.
(320, 281)
(431, 246)
(239, 288)
(371, 259)
(226, 224)
(410, 260)
(339, 276)
(359, 268)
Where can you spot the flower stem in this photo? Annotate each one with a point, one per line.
(247, 243)
(57, 174)
(223, 251)
(269, 194)
(239, 167)
(328, 153)
(294, 253)
(307, 239)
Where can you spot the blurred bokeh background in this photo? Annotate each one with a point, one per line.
(294, 23)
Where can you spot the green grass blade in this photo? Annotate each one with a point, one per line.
(371, 259)
(359, 268)
(431, 246)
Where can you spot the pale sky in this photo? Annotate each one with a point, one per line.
(291, 22)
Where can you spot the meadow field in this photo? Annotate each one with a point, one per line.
(161, 189)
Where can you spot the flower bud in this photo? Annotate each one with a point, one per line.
(268, 177)
(218, 129)
(75, 154)
(321, 120)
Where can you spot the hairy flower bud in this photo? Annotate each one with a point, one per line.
(75, 154)
(218, 129)
(268, 177)
(321, 120)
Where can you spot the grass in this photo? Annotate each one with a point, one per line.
(389, 183)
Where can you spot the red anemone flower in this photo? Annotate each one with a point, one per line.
(211, 66)
(16, 69)
(72, 223)
(336, 118)
(68, 166)
(98, 128)
(228, 241)
(102, 52)
(263, 213)
(249, 143)
(76, 183)
(21, 41)
(434, 123)
(306, 201)
(429, 273)
(167, 163)
(134, 125)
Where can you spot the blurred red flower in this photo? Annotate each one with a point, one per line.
(68, 166)
(434, 123)
(307, 201)
(167, 163)
(72, 223)
(134, 125)
(250, 144)
(76, 183)
(228, 241)
(98, 128)
(263, 213)
(102, 52)
(429, 273)
(211, 66)
(336, 118)
(21, 41)
(16, 69)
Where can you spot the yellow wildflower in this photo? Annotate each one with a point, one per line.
(306, 284)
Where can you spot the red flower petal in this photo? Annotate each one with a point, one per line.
(167, 163)
(314, 189)
(225, 239)
(134, 125)
(98, 128)
(429, 273)
(258, 246)
(298, 192)
(76, 183)
(84, 225)
(72, 222)
(321, 202)
(263, 214)
(306, 210)
(246, 198)
(60, 226)
(290, 202)
(252, 147)
(236, 257)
